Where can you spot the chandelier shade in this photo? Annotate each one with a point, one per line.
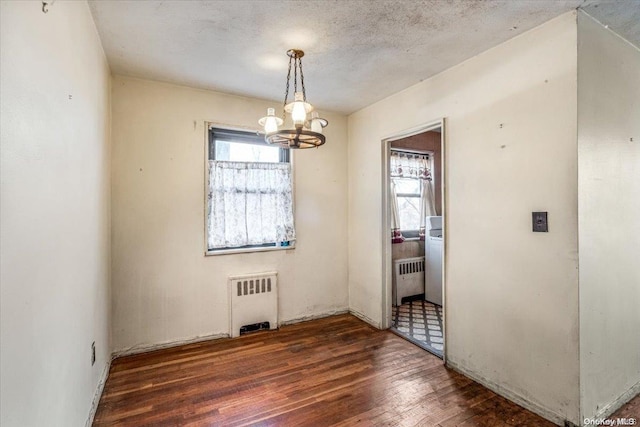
(306, 126)
(270, 122)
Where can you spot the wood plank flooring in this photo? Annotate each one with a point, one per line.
(332, 371)
(630, 410)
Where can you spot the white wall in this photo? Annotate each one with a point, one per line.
(512, 295)
(609, 217)
(164, 288)
(55, 261)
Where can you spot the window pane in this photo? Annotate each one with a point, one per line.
(250, 192)
(407, 186)
(409, 212)
(239, 152)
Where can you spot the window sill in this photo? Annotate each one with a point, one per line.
(249, 250)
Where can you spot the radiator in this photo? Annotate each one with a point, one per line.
(253, 299)
(408, 277)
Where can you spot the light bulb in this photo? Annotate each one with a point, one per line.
(270, 121)
(270, 125)
(298, 112)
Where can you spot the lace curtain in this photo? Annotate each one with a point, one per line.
(396, 234)
(407, 165)
(249, 204)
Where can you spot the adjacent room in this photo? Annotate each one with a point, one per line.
(314, 213)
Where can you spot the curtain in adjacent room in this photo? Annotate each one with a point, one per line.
(408, 165)
(427, 205)
(396, 234)
(249, 204)
(416, 166)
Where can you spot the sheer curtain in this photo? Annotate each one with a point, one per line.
(407, 165)
(416, 166)
(396, 234)
(427, 205)
(249, 204)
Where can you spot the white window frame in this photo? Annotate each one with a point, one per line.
(207, 252)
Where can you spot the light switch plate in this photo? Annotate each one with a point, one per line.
(540, 224)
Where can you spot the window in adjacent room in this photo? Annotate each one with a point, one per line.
(411, 193)
(249, 194)
(408, 197)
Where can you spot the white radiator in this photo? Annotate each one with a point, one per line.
(253, 298)
(408, 277)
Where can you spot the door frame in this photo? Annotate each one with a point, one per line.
(387, 268)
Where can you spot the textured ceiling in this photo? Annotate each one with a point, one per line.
(357, 52)
(621, 16)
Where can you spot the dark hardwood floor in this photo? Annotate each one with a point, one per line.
(630, 410)
(332, 371)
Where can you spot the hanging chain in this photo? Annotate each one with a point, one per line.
(304, 94)
(295, 76)
(297, 64)
(286, 92)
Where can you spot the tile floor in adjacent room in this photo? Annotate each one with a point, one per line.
(421, 323)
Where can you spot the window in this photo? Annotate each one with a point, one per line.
(411, 193)
(250, 194)
(408, 195)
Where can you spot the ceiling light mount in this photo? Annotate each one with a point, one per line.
(306, 131)
(295, 53)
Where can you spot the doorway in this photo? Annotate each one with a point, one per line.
(414, 241)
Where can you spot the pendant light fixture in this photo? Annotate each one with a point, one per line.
(305, 126)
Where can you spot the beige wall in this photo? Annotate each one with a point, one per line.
(164, 288)
(609, 217)
(407, 249)
(54, 211)
(511, 295)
